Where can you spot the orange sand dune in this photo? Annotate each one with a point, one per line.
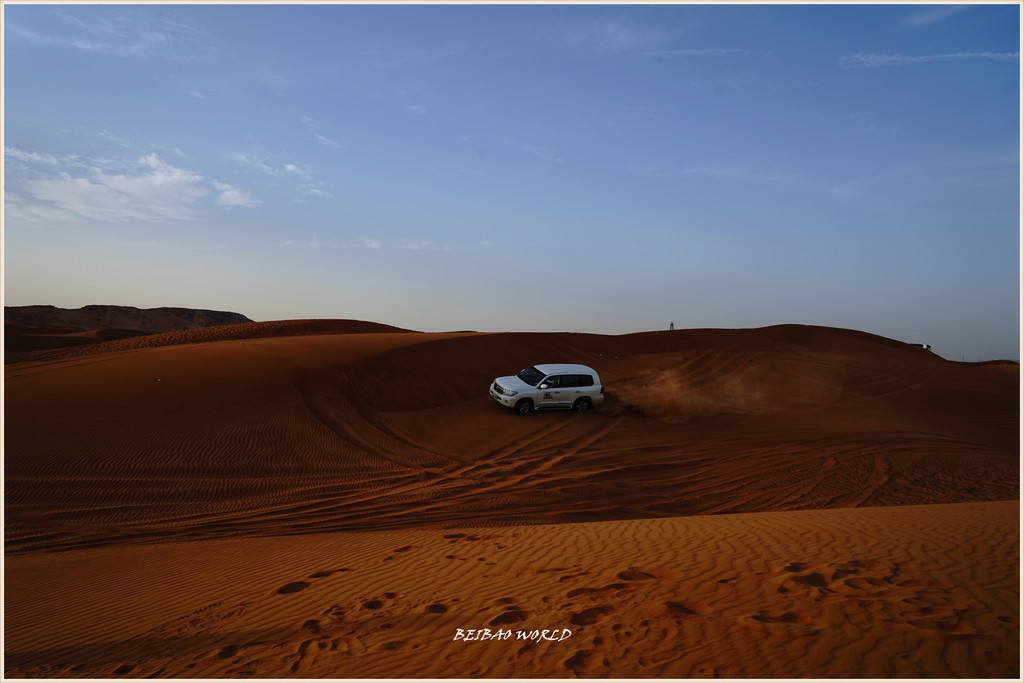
(915, 591)
(238, 445)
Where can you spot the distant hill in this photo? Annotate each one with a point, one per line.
(33, 330)
(99, 317)
(31, 343)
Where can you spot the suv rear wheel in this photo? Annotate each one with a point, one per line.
(582, 405)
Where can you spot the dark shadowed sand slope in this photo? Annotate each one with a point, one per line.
(24, 343)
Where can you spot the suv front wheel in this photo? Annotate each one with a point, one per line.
(524, 406)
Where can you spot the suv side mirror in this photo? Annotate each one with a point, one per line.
(543, 386)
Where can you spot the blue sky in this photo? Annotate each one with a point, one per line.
(588, 168)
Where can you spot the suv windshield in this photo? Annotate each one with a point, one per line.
(531, 376)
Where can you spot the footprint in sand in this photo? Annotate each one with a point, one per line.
(336, 611)
(887, 592)
(688, 608)
(647, 574)
(510, 616)
(228, 651)
(377, 603)
(591, 615)
(784, 623)
(296, 586)
(594, 592)
(951, 627)
(581, 663)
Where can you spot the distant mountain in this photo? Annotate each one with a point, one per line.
(98, 317)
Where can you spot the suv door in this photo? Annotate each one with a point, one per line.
(582, 386)
(553, 392)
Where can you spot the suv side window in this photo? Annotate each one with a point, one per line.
(568, 381)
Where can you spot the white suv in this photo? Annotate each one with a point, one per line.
(545, 387)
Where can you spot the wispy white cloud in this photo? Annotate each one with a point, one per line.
(533, 149)
(708, 52)
(164, 246)
(308, 186)
(254, 161)
(780, 179)
(397, 58)
(310, 123)
(116, 139)
(995, 169)
(20, 209)
(932, 15)
(361, 243)
(268, 76)
(607, 36)
(306, 183)
(744, 174)
(314, 190)
(318, 244)
(147, 188)
(376, 243)
(326, 141)
(542, 152)
(424, 245)
(170, 148)
(651, 170)
(231, 196)
(38, 158)
(121, 32)
(150, 190)
(872, 60)
(416, 108)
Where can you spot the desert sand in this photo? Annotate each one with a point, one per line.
(339, 500)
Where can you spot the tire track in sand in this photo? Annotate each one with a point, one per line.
(529, 472)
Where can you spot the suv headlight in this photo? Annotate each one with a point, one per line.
(509, 392)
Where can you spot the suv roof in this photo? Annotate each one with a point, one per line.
(551, 368)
